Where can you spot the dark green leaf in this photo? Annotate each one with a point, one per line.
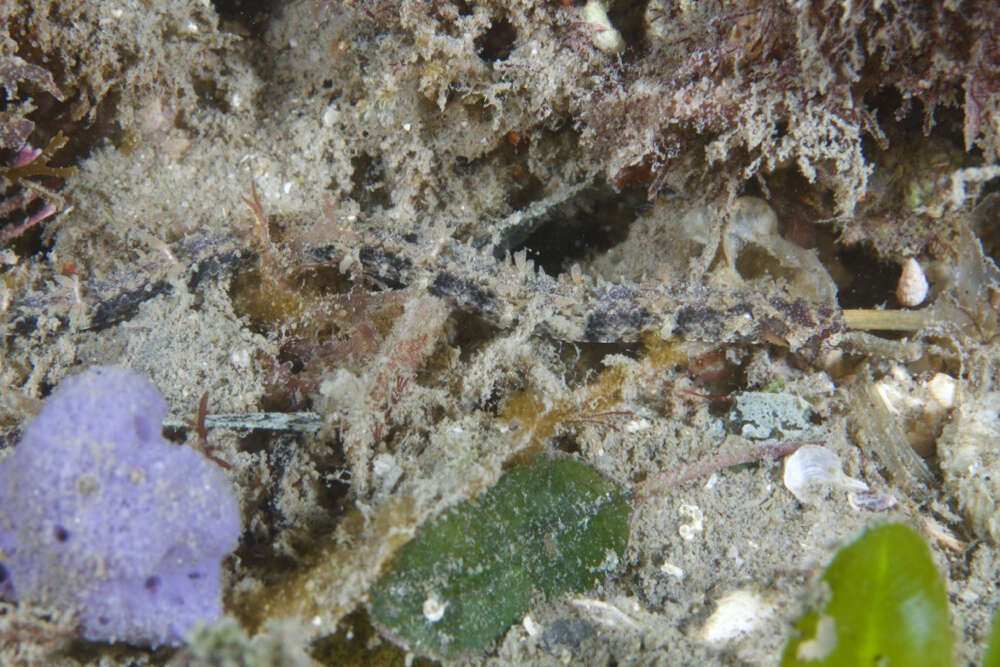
(553, 527)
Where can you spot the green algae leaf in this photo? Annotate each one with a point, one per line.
(553, 527)
(992, 658)
(885, 605)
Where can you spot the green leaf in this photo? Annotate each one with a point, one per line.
(885, 605)
(992, 658)
(553, 527)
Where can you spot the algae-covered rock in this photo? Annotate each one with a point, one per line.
(764, 416)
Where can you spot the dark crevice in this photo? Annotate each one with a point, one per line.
(591, 224)
(368, 179)
(497, 42)
(986, 221)
(629, 18)
(871, 282)
(247, 17)
(583, 361)
(355, 643)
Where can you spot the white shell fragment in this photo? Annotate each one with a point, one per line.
(673, 570)
(530, 626)
(736, 615)
(434, 609)
(941, 392)
(920, 408)
(813, 470)
(693, 521)
(606, 614)
(912, 287)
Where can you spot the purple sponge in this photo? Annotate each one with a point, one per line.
(99, 515)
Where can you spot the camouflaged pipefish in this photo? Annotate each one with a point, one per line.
(507, 291)
(594, 310)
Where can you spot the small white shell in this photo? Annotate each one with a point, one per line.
(673, 570)
(606, 614)
(434, 609)
(912, 288)
(737, 614)
(694, 521)
(812, 470)
(941, 390)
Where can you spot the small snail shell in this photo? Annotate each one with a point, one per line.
(812, 470)
(912, 288)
